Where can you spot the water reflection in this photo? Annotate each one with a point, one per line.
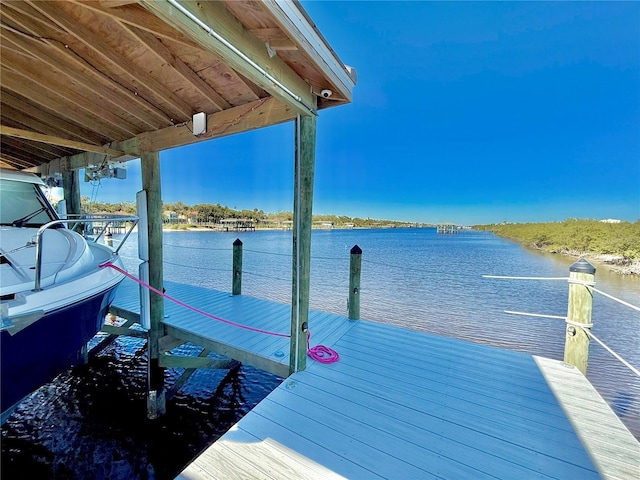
(91, 422)
(417, 279)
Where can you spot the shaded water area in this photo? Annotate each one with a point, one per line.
(90, 422)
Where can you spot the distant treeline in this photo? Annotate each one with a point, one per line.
(576, 237)
(209, 213)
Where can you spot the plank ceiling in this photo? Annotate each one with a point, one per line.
(82, 81)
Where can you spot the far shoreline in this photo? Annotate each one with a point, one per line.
(631, 269)
(613, 263)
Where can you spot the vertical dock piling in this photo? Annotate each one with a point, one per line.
(236, 282)
(71, 188)
(355, 265)
(150, 163)
(302, 213)
(576, 349)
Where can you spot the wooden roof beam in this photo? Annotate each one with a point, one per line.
(8, 161)
(116, 3)
(46, 122)
(51, 83)
(227, 38)
(162, 52)
(59, 56)
(17, 154)
(73, 112)
(145, 83)
(63, 142)
(275, 38)
(30, 20)
(138, 17)
(33, 149)
(258, 114)
(9, 44)
(28, 89)
(144, 20)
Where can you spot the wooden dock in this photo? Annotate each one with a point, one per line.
(399, 404)
(447, 228)
(267, 352)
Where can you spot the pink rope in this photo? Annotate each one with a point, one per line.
(182, 304)
(321, 353)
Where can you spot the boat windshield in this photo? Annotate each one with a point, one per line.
(23, 204)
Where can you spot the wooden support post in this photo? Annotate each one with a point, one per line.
(236, 282)
(576, 347)
(302, 213)
(71, 187)
(71, 191)
(150, 163)
(354, 282)
(83, 354)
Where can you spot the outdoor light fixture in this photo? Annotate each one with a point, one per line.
(199, 123)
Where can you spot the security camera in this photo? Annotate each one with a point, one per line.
(326, 93)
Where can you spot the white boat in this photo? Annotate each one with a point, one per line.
(54, 294)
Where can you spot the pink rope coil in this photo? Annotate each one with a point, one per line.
(321, 353)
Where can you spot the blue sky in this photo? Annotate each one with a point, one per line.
(471, 113)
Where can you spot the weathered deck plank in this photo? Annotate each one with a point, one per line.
(423, 411)
(613, 449)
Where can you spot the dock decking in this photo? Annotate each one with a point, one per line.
(399, 404)
(267, 352)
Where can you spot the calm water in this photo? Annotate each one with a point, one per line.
(89, 423)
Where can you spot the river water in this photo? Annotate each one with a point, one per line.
(89, 422)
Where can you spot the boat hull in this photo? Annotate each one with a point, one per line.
(35, 355)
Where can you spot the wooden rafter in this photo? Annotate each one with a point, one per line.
(52, 85)
(116, 3)
(276, 39)
(157, 47)
(69, 65)
(38, 137)
(24, 86)
(243, 118)
(17, 155)
(32, 149)
(130, 74)
(254, 115)
(43, 121)
(9, 161)
(139, 18)
(57, 55)
(254, 52)
(144, 84)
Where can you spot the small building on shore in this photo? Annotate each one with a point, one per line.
(236, 225)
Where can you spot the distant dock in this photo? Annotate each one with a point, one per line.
(398, 403)
(447, 228)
